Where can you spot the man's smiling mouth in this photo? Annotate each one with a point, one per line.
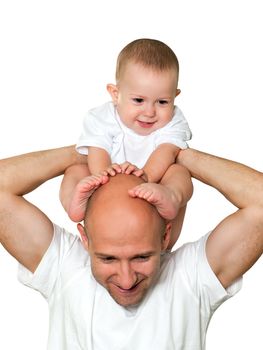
(131, 290)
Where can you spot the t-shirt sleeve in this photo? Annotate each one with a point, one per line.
(176, 132)
(202, 280)
(46, 275)
(211, 291)
(98, 128)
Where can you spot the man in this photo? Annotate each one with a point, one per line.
(118, 288)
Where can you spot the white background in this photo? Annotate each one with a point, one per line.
(56, 58)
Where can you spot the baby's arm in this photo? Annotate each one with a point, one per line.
(98, 160)
(159, 161)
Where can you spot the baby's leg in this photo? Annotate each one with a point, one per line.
(71, 178)
(176, 229)
(81, 195)
(169, 197)
(165, 200)
(76, 188)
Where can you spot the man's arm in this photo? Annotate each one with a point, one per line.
(237, 242)
(25, 231)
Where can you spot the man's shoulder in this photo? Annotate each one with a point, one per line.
(186, 257)
(191, 248)
(68, 243)
(63, 259)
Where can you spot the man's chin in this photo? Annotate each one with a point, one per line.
(126, 302)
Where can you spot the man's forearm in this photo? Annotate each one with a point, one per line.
(241, 185)
(22, 174)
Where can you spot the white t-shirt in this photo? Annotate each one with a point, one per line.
(103, 128)
(174, 315)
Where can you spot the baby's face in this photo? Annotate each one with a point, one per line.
(144, 98)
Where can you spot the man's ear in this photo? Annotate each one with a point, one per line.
(84, 238)
(113, 91)
(167, 236)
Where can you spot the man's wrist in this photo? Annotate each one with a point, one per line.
(182, 156)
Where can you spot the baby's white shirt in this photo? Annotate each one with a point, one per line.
(103, 128)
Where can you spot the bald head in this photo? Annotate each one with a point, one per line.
(111, 207)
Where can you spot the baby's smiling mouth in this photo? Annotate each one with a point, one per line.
(145, 124)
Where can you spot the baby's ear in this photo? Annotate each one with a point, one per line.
(113, 91)
(178, 91)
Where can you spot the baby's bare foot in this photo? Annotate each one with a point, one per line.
(160, 196)
(83, 191)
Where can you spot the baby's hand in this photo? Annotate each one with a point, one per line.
(112, 170)
(128, 168)
(124, 168)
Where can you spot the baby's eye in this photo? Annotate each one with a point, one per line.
(163, 102)
(137, 100)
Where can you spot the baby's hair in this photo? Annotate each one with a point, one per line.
(150, 53)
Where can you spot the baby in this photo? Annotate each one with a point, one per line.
(139, 132)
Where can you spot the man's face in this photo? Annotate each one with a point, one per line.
(125, 263)
(125, 239)
(144, 98)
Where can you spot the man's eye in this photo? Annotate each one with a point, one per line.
(107, 259)
(138, 100)
(142, 258)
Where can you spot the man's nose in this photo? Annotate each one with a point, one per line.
(127, 276)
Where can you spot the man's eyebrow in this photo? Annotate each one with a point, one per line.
(103, 255)
(147, 253)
